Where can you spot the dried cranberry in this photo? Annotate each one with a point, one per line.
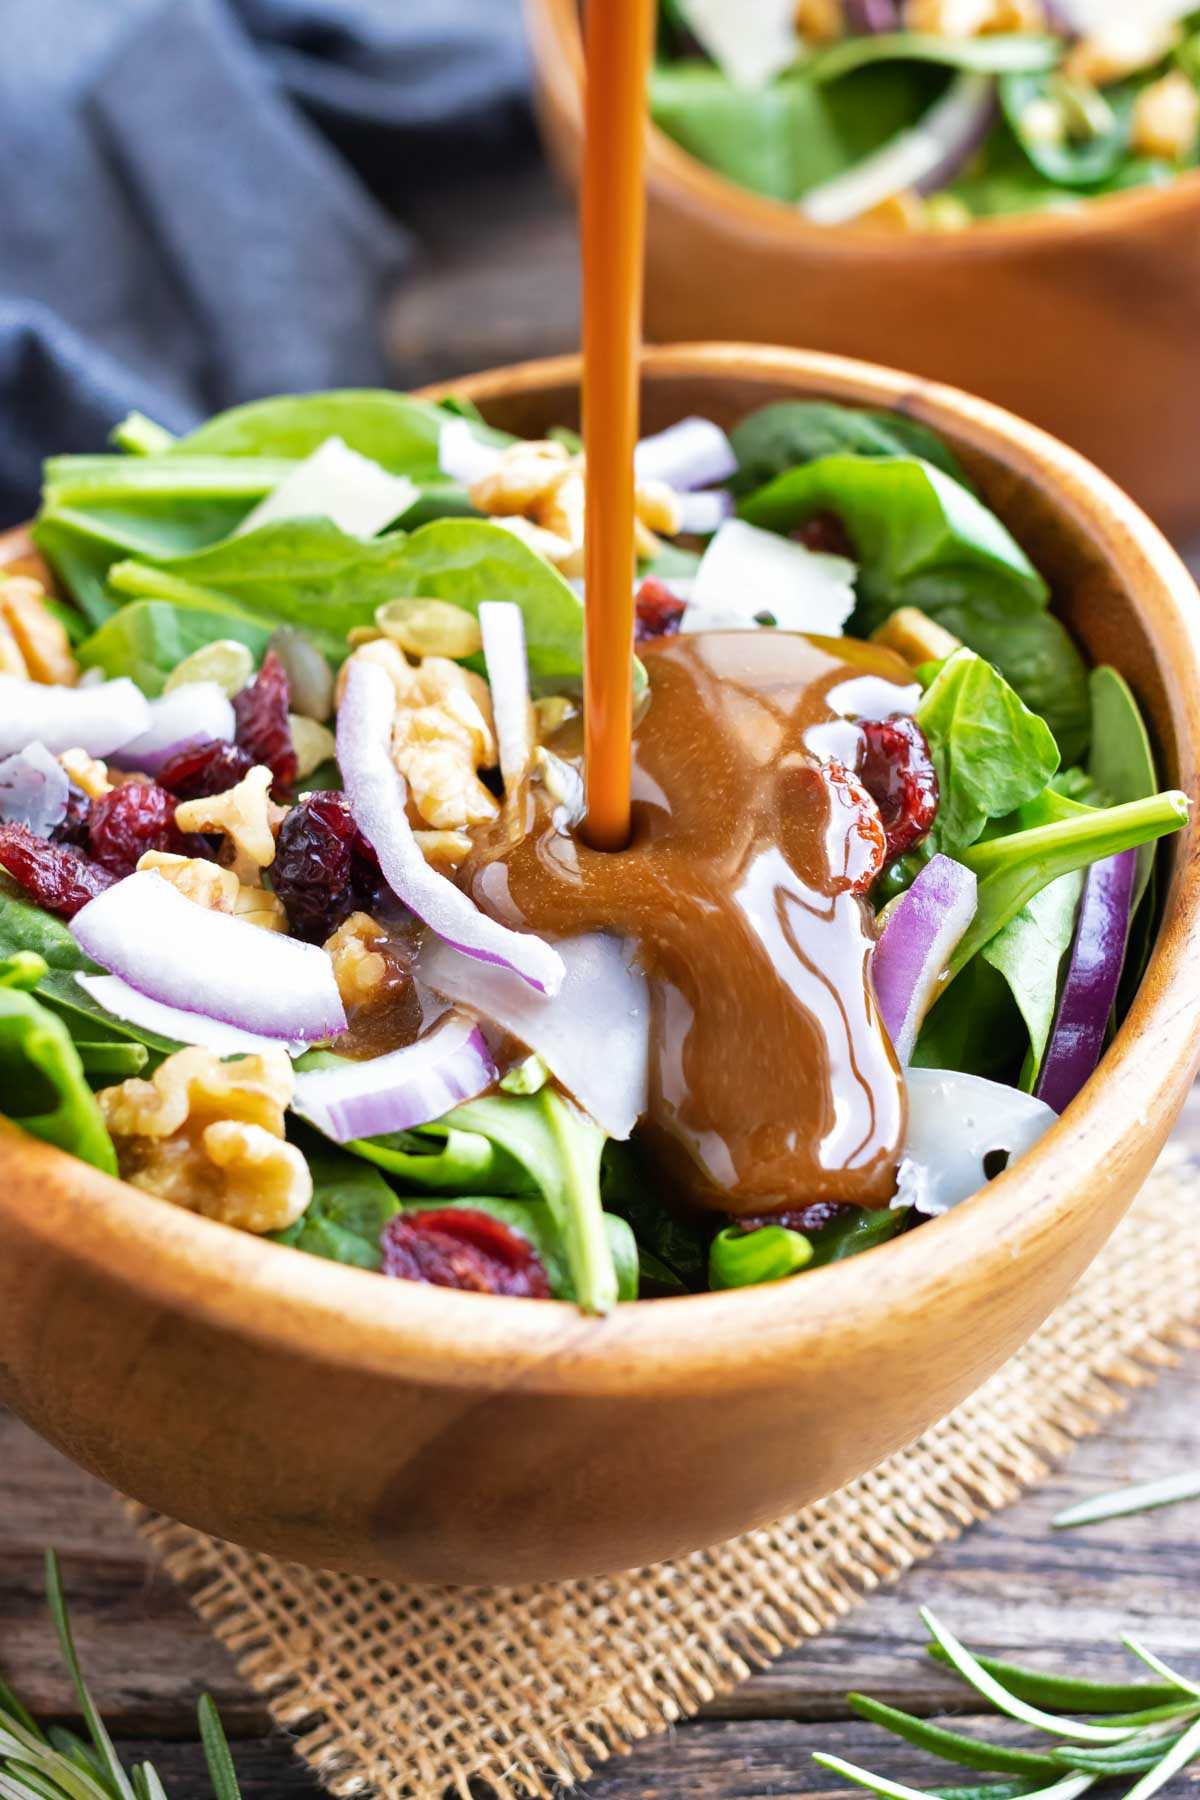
(460, 1247)
(204, 769)
(134, 818)
(57, 876)
(261, 711)
(72, 828)
(897, 770)
(324, 869)
(825, 533)
(658, 612)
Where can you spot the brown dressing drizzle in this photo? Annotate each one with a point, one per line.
(772, 1082)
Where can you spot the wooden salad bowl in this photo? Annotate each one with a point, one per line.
(1085, 322)
(337, 1418)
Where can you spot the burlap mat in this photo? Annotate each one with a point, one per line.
(411, 1692)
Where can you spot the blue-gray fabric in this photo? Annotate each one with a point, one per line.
(187, 197)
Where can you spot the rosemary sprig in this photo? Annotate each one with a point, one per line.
(1144, 1496)
(58, 1765)
(1150, 1730)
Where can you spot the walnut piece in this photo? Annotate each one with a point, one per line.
(87, 772)
(259, 906)
(1166, 118)
(916, 637)
(40, 639)
(819, 21)
(543, 485)
(443, 850)
(359, 965)
(974, 18)
(248, 818)
(441, 735)
(197, 879)
(208, 1136)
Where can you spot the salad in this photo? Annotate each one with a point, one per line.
(929, 114)
(297, 929)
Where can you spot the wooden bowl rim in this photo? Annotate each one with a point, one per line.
(264, 1291)
(558, 57)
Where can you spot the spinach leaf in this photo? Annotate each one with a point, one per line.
(1012, 869)
(149, 638)
(677, 1240)
(350, 1206)
(1121, 765)
(26, 927)
(854, 1230)
(42, 1081)
(95, 481)
(393, 429)
(990, 752)
(1074, 162)
(442, 1159)
(993, 55)
(922, 539)
(1028, 952)
(791, 432)
(792, 135)
(974, 1026)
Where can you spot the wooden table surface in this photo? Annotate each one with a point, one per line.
(499, 285)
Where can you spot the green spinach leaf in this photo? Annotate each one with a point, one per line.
(350, 1206)
(396, 430)
(996, 54)
(149, 638)
(42, 1081)
(991, 753)
(792, 432)
(1028, 952)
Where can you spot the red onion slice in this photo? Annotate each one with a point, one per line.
(336, 483)
(196, 713)
(33, 790)
(695, 453)
(958, 1125)
(868, 18)
(503, 627)
(923, 158)
(211, 963)
(594, 1036)
(918, 941)
(1093, 974)
(405, 1088)
(125, 1003)
(703, 513)
(462, 456)
(747, 571)
(98, 719)
(377, 794)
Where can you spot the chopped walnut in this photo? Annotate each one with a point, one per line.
(543, 484)
(1123, 46)
(87, 772)
(259, 906)
(442, 734)
(904, 211)
(1166, 118)
(359, 966)
(916, 637)
(197, 879)
(11, 660)
(443, 850)
(208, 1136)
(819, 21)
(246, 815)
(974, 18)
(41, 639)
(195, 1088)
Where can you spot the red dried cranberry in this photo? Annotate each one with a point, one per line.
(72, 828)
(324, 869)
(897, 770)
(459, 1247)
(825, 533)
(658, 612)
(205, 769)
(57, 876)
(134, 818)
(261, 711)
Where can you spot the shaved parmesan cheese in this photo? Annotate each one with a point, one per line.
(751, 41)
(748, 576)
(338, 484)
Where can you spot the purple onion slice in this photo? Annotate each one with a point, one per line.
(1093, 975)
(695, 453)
(923, 158)
(378, 794)
(867, 18)
(918, 941)
(211, 963)
(34, 790)
(403, 1089)
(198, 712)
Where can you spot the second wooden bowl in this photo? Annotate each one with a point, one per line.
(337, 1418)
(1085, 322)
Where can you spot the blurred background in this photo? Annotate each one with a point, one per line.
(202, 201)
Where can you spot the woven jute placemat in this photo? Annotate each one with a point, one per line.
(411, 1692)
